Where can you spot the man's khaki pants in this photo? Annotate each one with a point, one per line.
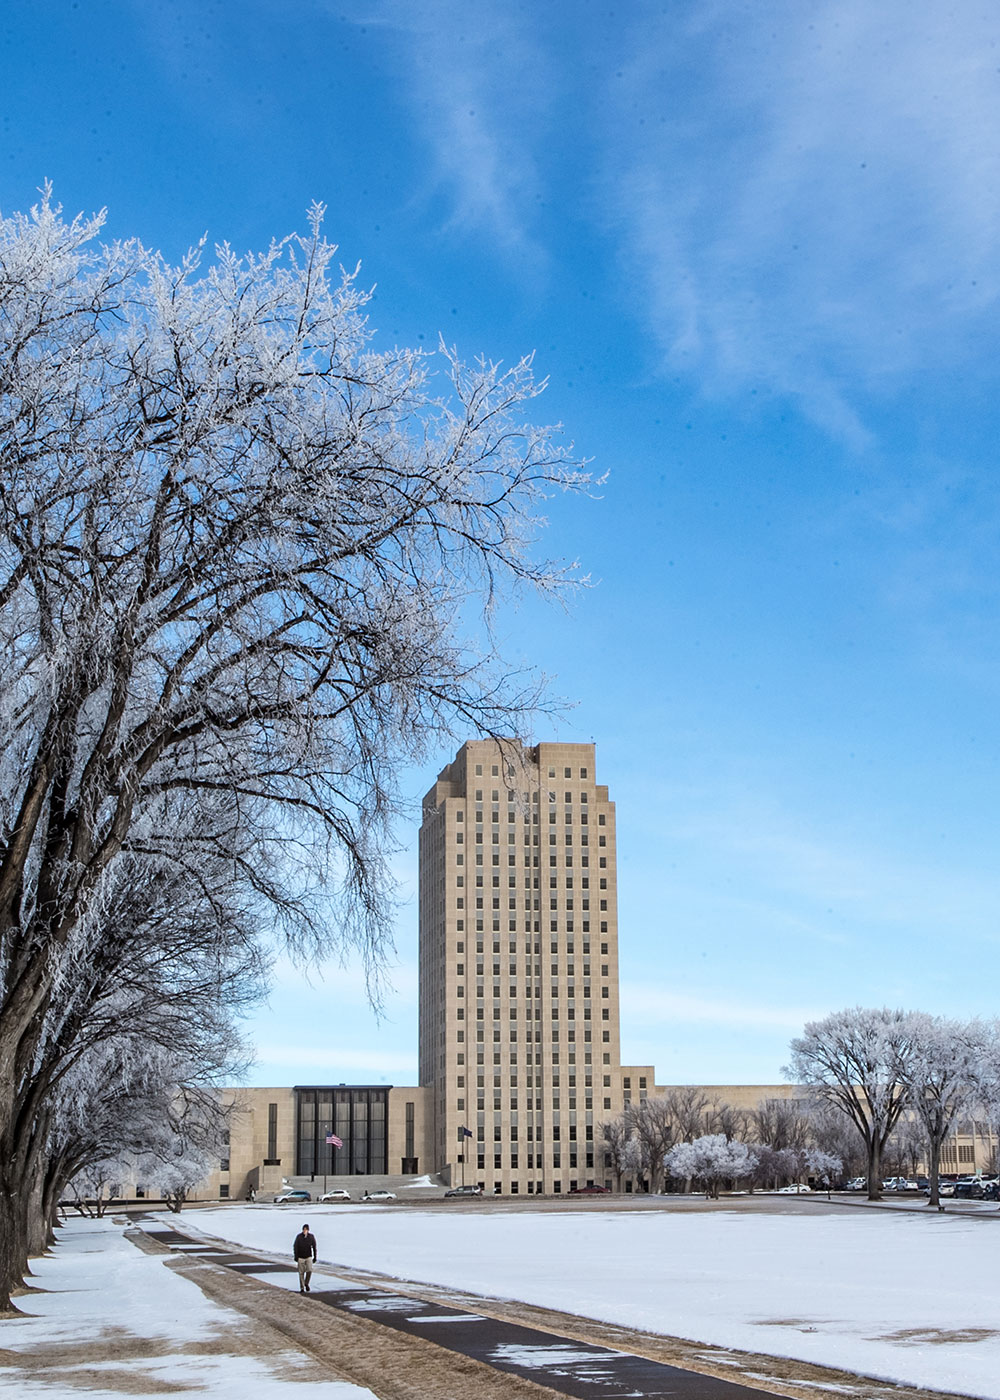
(305, 1272)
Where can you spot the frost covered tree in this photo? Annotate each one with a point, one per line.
(180, 1146)
(710, 1159)
(689, 1106)
(781, 1123)
(140, 1083)
(825, 1167)
(622, 1151)
(654, 1124)
(238, 548)
(727, 1119)
(151, 1121)
(857, 1061)
(835, 1134)
(774, 1166)
(177, 963)
(642, 1134)
(943, 1081)
(987, 1082)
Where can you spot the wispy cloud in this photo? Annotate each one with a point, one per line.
(477, 84)
(645, 1002)
(336, 1058)
(806, 199)
(869, 884)
(812, 202)
(345, 984)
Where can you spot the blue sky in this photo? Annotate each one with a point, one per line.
(755, 249)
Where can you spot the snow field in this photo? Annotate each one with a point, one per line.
(102, 1291)
(899, 1296)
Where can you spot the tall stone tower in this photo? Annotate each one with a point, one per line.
(519, 1031)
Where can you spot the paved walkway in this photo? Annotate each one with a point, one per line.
(574, 1369)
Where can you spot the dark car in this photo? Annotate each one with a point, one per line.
(968, 1190)
(589, 1191)
(978, 1188)
(464, 1191)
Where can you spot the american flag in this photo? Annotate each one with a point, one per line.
(332, 1140)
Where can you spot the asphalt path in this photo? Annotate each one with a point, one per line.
(572, 1368)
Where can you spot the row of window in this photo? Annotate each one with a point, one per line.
(553, 1057)
(517, 802)
(553, 948)
(528, 1103)
(532, 860)
(495, 772)
(532, 882)
(533, 1161)
(533, 903)
(532, 925)
(553, 991)
(531, 1081)
(529, 840)
(570, 1013)
(512, 1035)
(526, 971)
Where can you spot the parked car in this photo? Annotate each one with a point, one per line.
(589, 1191)
(379, 1196)
(857, 1183)
(797, 1188)
(974, 1188)
(947, 1188)
(291, 1197)
(464, 1191)
(339, 1195)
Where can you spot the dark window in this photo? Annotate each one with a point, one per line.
(272, 1135)
(358, 1116)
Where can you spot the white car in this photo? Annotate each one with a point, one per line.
(797, 1188)
(340, 1195)
(379, 1196)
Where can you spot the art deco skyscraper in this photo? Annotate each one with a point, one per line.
(519, 1031)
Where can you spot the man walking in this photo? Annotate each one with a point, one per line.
(304, 1252)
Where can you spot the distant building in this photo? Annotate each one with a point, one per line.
(519, 1019)
(520, 1060)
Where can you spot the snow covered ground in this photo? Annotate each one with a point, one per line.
(109, 1309)
(900, 1296)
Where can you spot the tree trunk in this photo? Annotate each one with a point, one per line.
(874, 1171)
(934, 1167)
(36, 1220)
(13, 1251)
(51, 1196)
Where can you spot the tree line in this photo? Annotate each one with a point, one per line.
(880, 1087)
(686, 1137)
(248, 567)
